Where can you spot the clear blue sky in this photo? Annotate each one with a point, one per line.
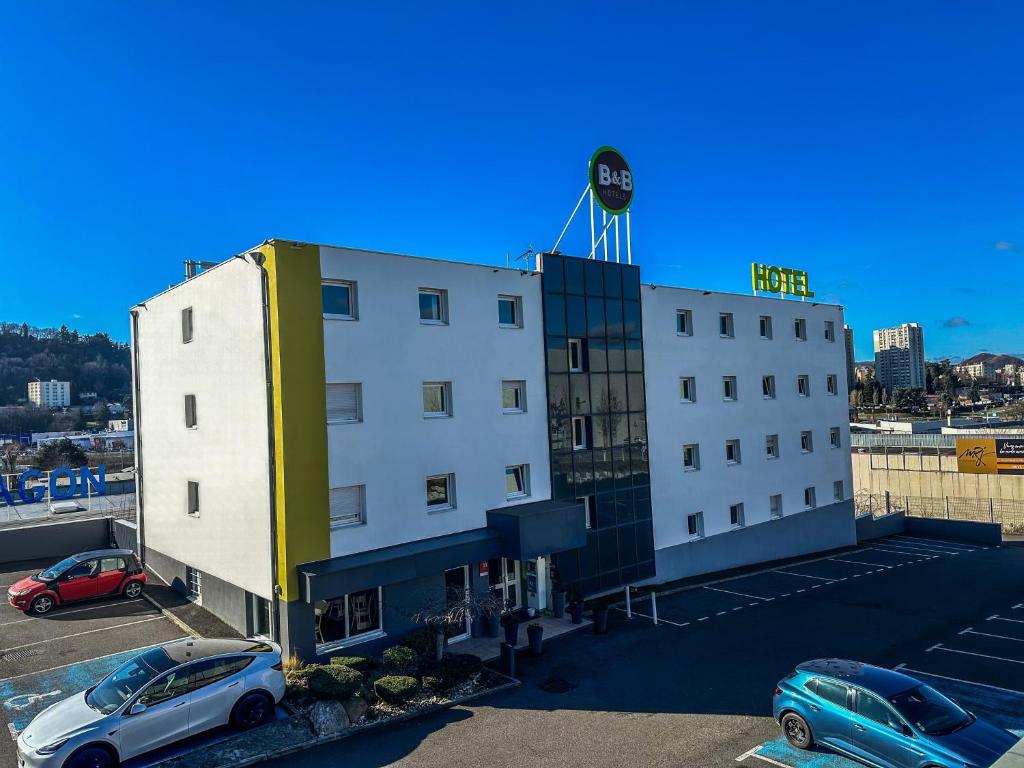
(877, 145)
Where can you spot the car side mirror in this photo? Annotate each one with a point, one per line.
(137, 708)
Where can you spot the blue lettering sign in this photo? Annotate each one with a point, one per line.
(34, 494)
(60, 492)
(5, 492)
(98, 484)
(81, 481)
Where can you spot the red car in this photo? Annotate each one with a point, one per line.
(85, 576)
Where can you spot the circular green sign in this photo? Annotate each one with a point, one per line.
(611, 180)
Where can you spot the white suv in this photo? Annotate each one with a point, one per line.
(163, 695)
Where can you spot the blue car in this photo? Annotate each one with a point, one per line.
(883, 718)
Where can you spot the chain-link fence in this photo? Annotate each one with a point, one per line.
(1009, 513)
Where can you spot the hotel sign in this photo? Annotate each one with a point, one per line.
(990, 456)
(782, 280)
(611, 180)
(32, 485)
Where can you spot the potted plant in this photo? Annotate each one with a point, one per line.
(576, 608)
(600, 616)
(558, 603)
(455, 610)
(510, 621)
(535, 633)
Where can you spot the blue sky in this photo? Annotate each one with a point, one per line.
(876, 145)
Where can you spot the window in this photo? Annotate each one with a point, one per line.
(803, 386)
(833, 693)
(577, 356)
(190, 412)
(349, 619)
(766, 326)
(775, 506)
(186, 327)
(437, 399)
(194, 583)
(695, 525)
(687, 389)
(348, 506)
(166, 687)
(433, 306)
(580, 438)
(344, 403)
(691, 457)
(806, 441)
(517, 481)
(513, 397)
(768, 387)
(339, 300)
(832, 384)
(440, 492)
(684, 322)
(830, 331)
(108, 564)
(728, 387)
(732, 451)
(736, 515)
(800, 329)
(193, 498)
(725, 329)
(837, 490)
(210, 671)
(873, 709)
(590, 510)
(510, 312)
(771, 446)
(810, 499)
(260, 616)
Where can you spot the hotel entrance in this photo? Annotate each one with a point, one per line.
(503, 579)
(456, 589)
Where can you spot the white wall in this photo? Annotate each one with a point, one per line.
(223, 366)
(391, 354)
(710, 421)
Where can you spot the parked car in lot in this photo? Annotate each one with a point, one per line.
(85, 576)
(159, 697)
(881, 717)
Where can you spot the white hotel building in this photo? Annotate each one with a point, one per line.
(328, 438)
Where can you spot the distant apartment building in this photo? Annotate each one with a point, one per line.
(50, 394)
(851, 366)
(864, 373)
(1011, 374)
(899, 357)
(980, 372)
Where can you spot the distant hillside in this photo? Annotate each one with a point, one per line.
(997, 361)
(93, 363)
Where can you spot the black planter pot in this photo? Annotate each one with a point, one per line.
(536, 634)
(492, 625)
(558, 604)
(576, 612)
(600, 621)
(512, 632)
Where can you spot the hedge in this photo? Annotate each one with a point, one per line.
(358, 663)
(401, 658)
(453, 670)
(329, 682)
(423, 641)
(396, 689)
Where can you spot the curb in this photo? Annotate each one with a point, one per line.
(170, 616)
(358, 729)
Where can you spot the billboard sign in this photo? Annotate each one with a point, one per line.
(32, 485)
(783, 280)
(611, 180)
(990, 455)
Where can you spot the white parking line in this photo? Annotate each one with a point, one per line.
(857, 562)
(1015, 607)
(905, 668)
(739, 594)
(805, 576)
(68, 613)
(997, 617)
(950, 545)
(77, 634)
(919, 549)
(801, 590)
(901, 552)
(941, 647)
(970, 631)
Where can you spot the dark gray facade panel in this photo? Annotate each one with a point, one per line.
(538, 529)
(54, 541)
(126, 534)
(869, 527)
(805, 533)
(989, 534)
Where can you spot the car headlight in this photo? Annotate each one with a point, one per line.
(21, 592)
(49, 749)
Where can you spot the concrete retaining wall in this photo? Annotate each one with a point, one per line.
(869, 527)
(125, 534)
(54, 541)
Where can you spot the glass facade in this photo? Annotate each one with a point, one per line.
(597, 304)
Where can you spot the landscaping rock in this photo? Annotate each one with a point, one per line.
(356, 707)
(328, 717)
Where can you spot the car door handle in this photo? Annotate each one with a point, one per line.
(917, 752)
(180, 704)
(814, 708)
(234, 684)
(858, 727)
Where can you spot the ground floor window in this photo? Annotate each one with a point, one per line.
(194, 584)
(350, 618)
(259, 610)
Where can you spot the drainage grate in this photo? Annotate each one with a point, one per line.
(556, 684)
(21, 655)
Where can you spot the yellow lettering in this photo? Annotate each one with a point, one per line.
(759, 277)
(774, 281)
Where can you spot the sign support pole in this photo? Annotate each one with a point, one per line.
(593, 245)
(617, 261)
(629, 243)
(604, 221)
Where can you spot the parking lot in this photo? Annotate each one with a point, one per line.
(45, 659)
(695, 690)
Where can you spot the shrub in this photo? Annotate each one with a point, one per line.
(423, 642)
(453, 670)
(401, 659)
(358, 663)
(292, 664)
(331, 682)
(432, 683)
(396, 689)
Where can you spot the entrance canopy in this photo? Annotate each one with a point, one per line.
(539, 529)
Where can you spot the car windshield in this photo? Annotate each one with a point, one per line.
(53, 572)
(930, 711)
(125, 681)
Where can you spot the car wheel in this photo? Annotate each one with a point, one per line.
(797, 731)
(92, 757)
(251, 710)
(42, 604)
(133, 589)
